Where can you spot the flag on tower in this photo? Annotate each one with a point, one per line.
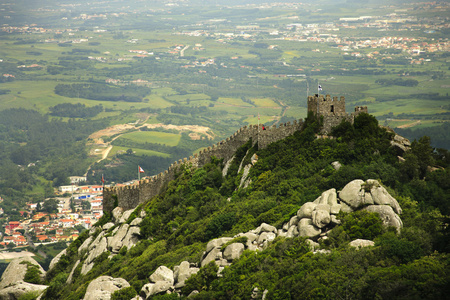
(320, 87)
(140, 169)
(103, 179)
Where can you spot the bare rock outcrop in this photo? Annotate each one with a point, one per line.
(361, 243)
(56, 259)
(85, 244)
(400, 144)
(313, 220)
(19, 289)
(336, 165)
(151, 289)
(245, 181)
(227, 166)
(217, 243)
(233, 251)
(387, 214)
(163, 273)
(132, 237)
(181, 272)
(351, 194)
(117, 214)
(306, 210)
(115, 242)
(102, 287)
(97, 247)
(214, 254)
(126, 214)
(16, 270)
(69, 278)
(358, 194)
(381, 196)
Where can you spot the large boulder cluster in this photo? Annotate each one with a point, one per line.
(400, 144)
(245, 179)
(12, 285)
(113, 237)
(164, 280)
(313, 220)
(101, 288)
(223, 251)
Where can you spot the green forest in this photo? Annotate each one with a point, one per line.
(38, 153)
(193, 209)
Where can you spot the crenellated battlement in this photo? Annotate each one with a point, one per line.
(131, 196)
(326, 105)
(360, 109)
(332, 109)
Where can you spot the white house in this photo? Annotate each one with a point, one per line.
(67, 188)
(77, 179)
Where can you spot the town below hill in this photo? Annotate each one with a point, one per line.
(58, 219)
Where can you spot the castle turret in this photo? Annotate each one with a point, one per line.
(326, 105)
(332, 109)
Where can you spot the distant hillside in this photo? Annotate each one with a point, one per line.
(165, 238)
(440, 135)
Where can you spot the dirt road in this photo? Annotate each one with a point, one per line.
(409, 124)
(118, 130)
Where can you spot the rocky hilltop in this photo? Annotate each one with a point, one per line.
(305, 217)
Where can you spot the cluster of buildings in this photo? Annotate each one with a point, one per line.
(337, 33)
(78, 206)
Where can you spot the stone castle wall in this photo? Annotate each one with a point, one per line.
(327, 105)
(333, 110)
(131, 196)
(360, 109)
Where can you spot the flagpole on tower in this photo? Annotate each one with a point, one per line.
(140, 170)
(257, 133)
(307, 88)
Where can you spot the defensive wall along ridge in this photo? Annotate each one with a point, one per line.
(331, 108)
(129, 197)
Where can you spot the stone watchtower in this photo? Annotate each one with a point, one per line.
(332, 109)
(326, 106)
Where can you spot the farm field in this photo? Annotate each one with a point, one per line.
(139, 152)
(155, 137)
(219, 68)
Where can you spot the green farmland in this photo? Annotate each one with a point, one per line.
(217, 68)
(168, 139)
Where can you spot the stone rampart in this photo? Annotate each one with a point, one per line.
(131, 196)
(332, 109)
